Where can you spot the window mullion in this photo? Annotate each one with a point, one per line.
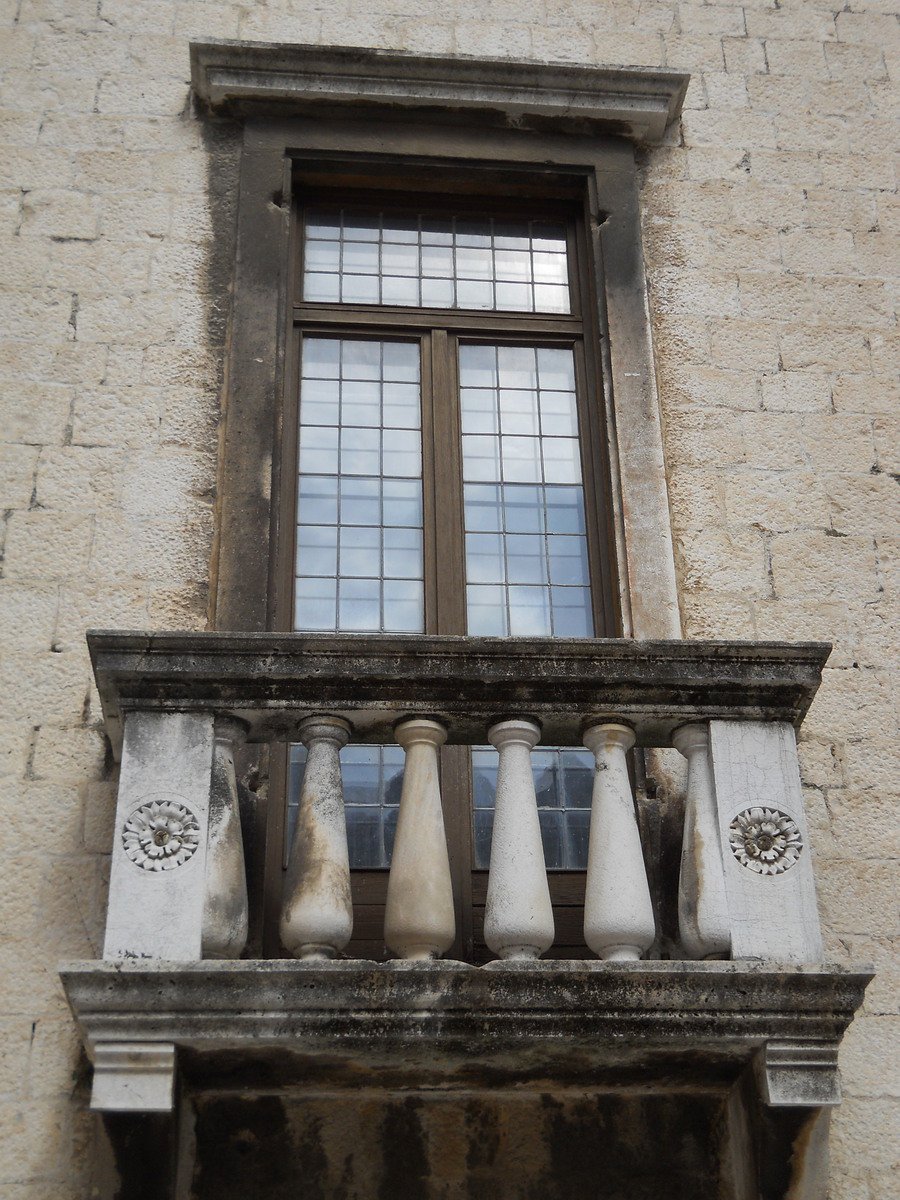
(447, 484)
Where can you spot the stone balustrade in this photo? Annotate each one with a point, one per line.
(178, 705)
(723, 717)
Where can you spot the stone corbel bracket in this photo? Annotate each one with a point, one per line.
(799, 1074)
(133, 1077)
(242, 78)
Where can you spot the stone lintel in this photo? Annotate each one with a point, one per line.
(799, 1074)
(238, 77)
(133, 1076)
(271, 680)
(628, 1024)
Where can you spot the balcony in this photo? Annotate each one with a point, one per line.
(747, 996)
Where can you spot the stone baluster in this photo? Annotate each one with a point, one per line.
(225, 909)
(703, 920)
(419, 919)
(618, 912)
(317, 916)
(518, 917)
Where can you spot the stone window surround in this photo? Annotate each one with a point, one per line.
(495, 117)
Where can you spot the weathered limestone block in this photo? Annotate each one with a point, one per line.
(765, 842)
(157, 889)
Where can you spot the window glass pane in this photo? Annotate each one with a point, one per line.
(577, 831)
(552, 836)
(483, 507)
(484, 558)
(360, 501)
(364, 840)
(325, 289)
(526, 561)
(487, 611)
(323, 256)
(317, 549)
(317, 499)
(359, 510)
(360, 451)
(403, 601)
(483, 819)
(359, 771)
(402, 454)
(373, 778)
(360, 551)
(563, 781)
(479, 411)
(323, 224)
(556, 369)
(402, 502)
(315, 604)
(383, 258)
(359, 605)
(402, 553)
(524, 503)
(518, 412)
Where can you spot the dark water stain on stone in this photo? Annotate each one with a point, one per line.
(400, 1146)
(483, 1144)
(482, 1133)
(406, 1168)
(626, 1148)
(244, 1148)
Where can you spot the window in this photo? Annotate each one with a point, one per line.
(336, 126)
(446, 476)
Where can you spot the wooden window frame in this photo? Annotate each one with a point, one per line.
(596, 174)
(440, 333)
(603, 170)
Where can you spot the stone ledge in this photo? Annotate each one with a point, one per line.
(632, 1024)
(270, 680)
(239, 77)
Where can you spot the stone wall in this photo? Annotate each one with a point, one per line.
(770, 220)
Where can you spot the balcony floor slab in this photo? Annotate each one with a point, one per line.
(634, 1026)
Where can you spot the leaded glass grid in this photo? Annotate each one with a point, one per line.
(359, 562)
(355, 257)
(526, 543)
(373, 779)
(563, 783)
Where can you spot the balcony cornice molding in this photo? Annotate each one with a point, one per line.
(449, 1019)
(270, 681)
(260, 78)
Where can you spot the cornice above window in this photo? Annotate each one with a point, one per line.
(244, 78)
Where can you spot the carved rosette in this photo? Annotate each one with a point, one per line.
(161, 835)
(765, 840)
